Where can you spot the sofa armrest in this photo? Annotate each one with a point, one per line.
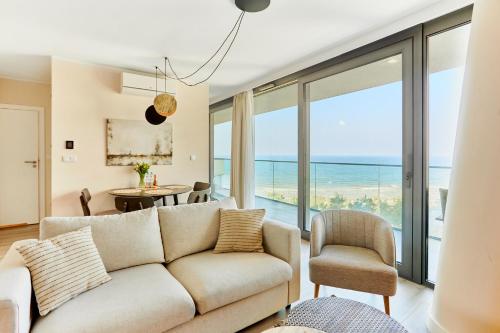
(15, 293)
(283, 241)
(318, 235)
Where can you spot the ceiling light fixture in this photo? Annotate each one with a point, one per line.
(165, 104)
(252, 6)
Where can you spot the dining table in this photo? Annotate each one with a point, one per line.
(156, 192)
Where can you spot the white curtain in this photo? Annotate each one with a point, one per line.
(243, 151)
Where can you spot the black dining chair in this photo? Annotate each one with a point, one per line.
(85, 197)
(201, 193)
(130, 204)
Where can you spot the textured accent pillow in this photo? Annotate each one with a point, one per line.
(63, 267)
(240, 230)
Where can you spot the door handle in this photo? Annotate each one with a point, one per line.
(33, 163)
(409, 179)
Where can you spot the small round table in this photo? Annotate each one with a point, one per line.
(341, 315)
(161, 191)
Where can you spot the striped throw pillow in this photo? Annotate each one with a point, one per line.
(63, 267)
(240, 230)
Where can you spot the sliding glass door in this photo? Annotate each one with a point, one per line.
(276, 153)
(446, 53)
(220, 125)
(359, 154)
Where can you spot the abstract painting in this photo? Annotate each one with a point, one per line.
(133, 141)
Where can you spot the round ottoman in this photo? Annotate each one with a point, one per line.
(336, 315)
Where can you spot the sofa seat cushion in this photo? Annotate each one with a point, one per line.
(139, 299)
(215, 280)
(354, 268)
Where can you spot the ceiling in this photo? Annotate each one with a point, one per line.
(135, 35)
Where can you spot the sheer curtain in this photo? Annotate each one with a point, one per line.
(243, 151)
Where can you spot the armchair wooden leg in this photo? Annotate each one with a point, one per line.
(316, 290)
(387, 306)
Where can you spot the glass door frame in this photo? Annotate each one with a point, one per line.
(404, 47)
(432, 28)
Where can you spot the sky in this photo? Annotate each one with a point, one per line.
(362, 123)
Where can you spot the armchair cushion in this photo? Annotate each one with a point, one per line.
(354, 268)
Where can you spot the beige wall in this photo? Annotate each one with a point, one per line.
(31, 94)
(83, 97)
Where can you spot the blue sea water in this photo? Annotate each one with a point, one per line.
(334, 173)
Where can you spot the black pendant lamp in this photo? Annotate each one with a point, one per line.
(153, 117)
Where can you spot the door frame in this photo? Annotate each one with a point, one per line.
(41, 152)
(404, 47)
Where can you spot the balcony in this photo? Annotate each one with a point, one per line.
(370, 187)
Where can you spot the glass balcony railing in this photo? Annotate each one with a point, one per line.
(375, 188)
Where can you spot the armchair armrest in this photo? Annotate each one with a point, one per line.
(283, 241)
(383, 242)
(318, 235)
(15, 293)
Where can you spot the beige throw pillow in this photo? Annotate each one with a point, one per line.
(63, 267)
(240, 230)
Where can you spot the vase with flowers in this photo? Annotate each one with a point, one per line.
(142, 169)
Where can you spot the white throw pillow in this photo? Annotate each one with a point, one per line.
(123, 240)
(63, 267)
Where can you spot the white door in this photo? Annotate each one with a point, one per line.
(19, 201)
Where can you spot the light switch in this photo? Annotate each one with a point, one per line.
(192, 157)
(69, 158)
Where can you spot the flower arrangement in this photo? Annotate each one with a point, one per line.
(142, 169)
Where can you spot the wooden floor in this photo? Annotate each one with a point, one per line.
(12, 234)
(410, 305)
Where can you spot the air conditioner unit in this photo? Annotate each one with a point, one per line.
(145, 85)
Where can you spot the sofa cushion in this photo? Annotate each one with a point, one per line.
(63, 267)
(354, 268)
(188, 229)
(139, 299)
(123, 240)
(215, 280)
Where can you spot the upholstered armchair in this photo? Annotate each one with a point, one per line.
(353, 250)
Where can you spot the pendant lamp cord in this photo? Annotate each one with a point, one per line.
(236, 27)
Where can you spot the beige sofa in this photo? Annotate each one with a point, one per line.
(165, 277)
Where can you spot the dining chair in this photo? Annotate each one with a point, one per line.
(85, 197)
(130, 204)
(353, 250)
(201, 193)
(443, 196)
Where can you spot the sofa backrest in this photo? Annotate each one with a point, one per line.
(122, 240)
(192, 228)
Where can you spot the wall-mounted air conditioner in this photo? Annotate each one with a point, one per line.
(145, 85)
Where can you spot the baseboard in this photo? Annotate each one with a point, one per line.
(5, 226)
(433, 326)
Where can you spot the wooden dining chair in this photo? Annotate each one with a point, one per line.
(85, 197)
(130, 204)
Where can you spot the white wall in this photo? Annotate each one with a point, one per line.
(83, 97)
(467, 293)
